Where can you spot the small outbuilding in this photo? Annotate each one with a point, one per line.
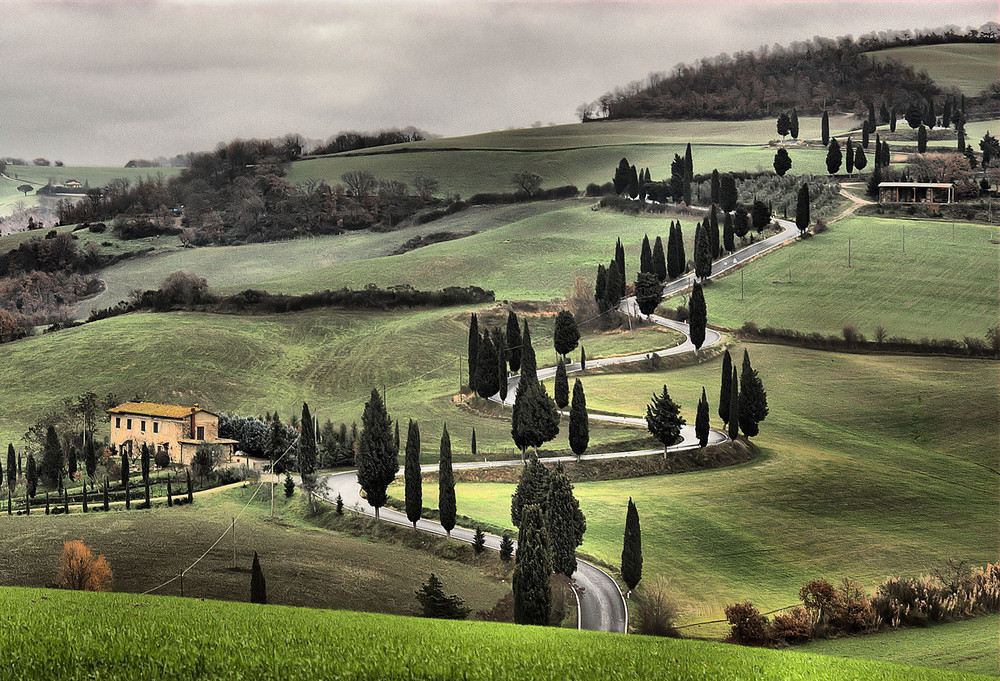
(916, 192)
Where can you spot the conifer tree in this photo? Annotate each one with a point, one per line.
(289, 485)
(921, 140)
(190, 488)
(528, 366)
(715, 186)
(646, 256)
(681, 257)
(478, 541)
(579, 427)
(258, 585)
(475, 451)
(849, 153)
(793, 125)
(701, 423)
(663, 419)
(648, 292)
(107, 483)
(727, 193)
(702, 252)
(946, 113)
(930, 117)
(860, 160)
(620, 260)
(411, 474)
(872, 123)
(125, 467)
(633, 183)
(11, 467)
(128, 497)
(144, 469)
(727, 378)
(308, 455)
(783, 125)
(473, 351)
(734, 406)
(170, 493)
(874, 180)
(532, 488)
(865, 132)
(89, 460)
(538, 418)
(506, 547)
(84, 497)
(802, 208)
(632, 548)
(566, 335)
(376, 457)
(564, 522)
(513, 342)
(741, 222)
(659, 260)
(487, 380)
(728, 235)
(532, 570)
(688, 174)
(713, 232)
(622, 176)
(52, 459)
(833, 157)
(698, 316)
(892, 120)
(395, 437)
(673, 253)
(825, 127)
(71, 461)
(782, 162)
(886, 157)
(960, 127)
(753, 399)
(446, 485)
(560, 390)
(612, 290)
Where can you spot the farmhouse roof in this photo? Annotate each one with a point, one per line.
(938, 185)
(166, 411)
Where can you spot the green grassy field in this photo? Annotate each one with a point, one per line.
(971, 67)
(256, 364)
(870, 466)
(937, 289)
(305, 565)
(969, 646)
(119, 636)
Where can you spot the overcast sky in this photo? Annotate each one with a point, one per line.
(100, 83)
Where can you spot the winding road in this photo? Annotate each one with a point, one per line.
(602, 606)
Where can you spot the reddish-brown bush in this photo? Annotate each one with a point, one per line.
(795, 626)
(80, 570)
(749, 627)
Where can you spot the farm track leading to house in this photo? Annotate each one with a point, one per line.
(602, 605)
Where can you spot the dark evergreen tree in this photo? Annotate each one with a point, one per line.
(633, 183)
(663, 419)
(564, 522)
(825, 128)
(376, 455)
(892, 120)
(782, 162)
(753, 399)
(532, 570)
(190, 488)
(727, 378)
(646, 256)
(622, 175)
(600, 285)
(11, 467)
(434, 603)
(583, 359)
(632, 548)
(734, 406)
(960, 127)
(802, 208)
(475, 451)
(107, 484)
(873, 182)
(487, 380)
(612, 290)
(446, 485)
(473, 351)
(793, 125)
(727, 193)
(128, 497)
(52, 459)
(760, 215)
(395, 437)
(506, 547)
(85, 498)
(728, 235)
(339, 505)
(930, 116)
(514, 340)
(532, 488)
(89, 460)
(865, 136)
(849, 154)
(674, 265)
(833, 157)
(478, 541)
(289, 485)
(946, 113)
(688, 174)
(784, 124)
(170, 494)
(698, 316)
(715, 186)
(701, 420)
(125, 468)
(860, 160)
(659, 260)
(681, 257)
(538, 418)
(883, 113)
(71, 461)
(648, 292)
(914, 116)
(620, 259)
(886, 156)
(579, 426)
(741, 222)
(713, 232)
(702, 252)
(144, 461)
(560, 390)
(258, 585)
(566, 335)
(528, 366)
(922, 140)
(411, 474)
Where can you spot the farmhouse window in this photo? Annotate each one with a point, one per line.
(118, 422)
(128, 424)
(142, 426)
(156, 426)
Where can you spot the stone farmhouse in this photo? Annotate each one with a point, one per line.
(166, 427)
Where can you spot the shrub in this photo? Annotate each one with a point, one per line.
(434, 603)
(657, 611)
(820, 226)
(205, 458)
(853, 611)
(820, 598)
(749, 627)
(795, 626)
(80, 570)
(231, 474)
(161, 458)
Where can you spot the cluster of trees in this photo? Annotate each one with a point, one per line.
(742, 398)
(788, 125)
(551, 526)
(352, 141)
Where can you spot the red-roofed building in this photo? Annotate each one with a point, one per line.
(167, 427)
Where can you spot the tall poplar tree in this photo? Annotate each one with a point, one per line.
(560, 390)
(632, 548)
(579, 426)
(513, 342)
(663, 419)
(698, 316)
(724, 390)
(564, 522)
(446, 485)
(411, 474)
(659, 260)
(701, 423)
(473, 351)
(753, 399)
(376, 458)
(532, 570)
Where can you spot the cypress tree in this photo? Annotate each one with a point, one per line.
(27, 505)
(258, 585)
(872, 123)
(566, 335)
(646, 256)
(659, 260)
(560, 391)
(478, 541)
(579, 427)
(65, 501)
(190, 488)
(446, 485)
(600, 286)
(289, 485)
(727, 378)
(473, 351)
(514, 340)
(170, 493)
(930, 117)
(52, 459)
(727, 193)
(753, 399)
(865, 133)
(620, 259)
(538, 419)
(47, 509)
(128, 497)
(632, 548)
(125, 468)
(783, 124)
(802, 208)
(734, 406)
(715, 186)
(144, 467)
(376, 458)
(473, 445)
(960, 126)
(673, 258)
(946, 113)
(633, 183)
(11, 467)
(583, 359)
(825, 127)
(849, 162)
(873, 182)
(681, 257)
(688, 161)
(698, 316)
(833, 157)
(701, 420)
(648, 292)
(71, 461)
(663, 419)
(532, 488)
(892, 120)
(395, 437)
(90, 460)
(741, 222)
(921, 140)
(702, 252)
(688, 174)
(308, 455)
(860, 160)
(499, 336)
(506, 547)
(84, 498)
(713, 232)
(532, 570)
(564, 522)
(612, 290)
(107, 483)
(528, 370)
(411, 474)
(793, 127)
(728, 236)
(487, 383)
(622, 175)
(886, 158)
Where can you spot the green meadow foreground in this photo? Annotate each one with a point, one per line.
(117, 636)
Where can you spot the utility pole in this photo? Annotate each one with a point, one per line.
(848, 251)
(789, 268)
(904, 239)
(741, 284)
(234, 542)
